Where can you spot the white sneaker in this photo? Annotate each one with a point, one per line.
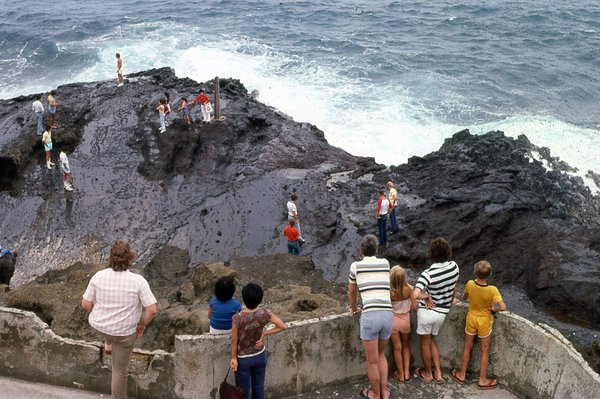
(51, 163)
(68, 187)
(120, 84)
(48, 165)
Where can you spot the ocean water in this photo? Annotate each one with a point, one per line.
(388, 79)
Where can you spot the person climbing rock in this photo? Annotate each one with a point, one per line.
(8, 258)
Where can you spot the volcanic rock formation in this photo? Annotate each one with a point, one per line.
(219, 191)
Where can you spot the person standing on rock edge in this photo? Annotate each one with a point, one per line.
(47, 141)
(293, 236)
(202, 98)
(66, 169)
(392, 197)
(119, 69)
(8, 258)
(434, 292)
(383, 208)
(38, 108)
(371, 278)
(293, 215)
(52, 108)
(161, 113)
(121, 305)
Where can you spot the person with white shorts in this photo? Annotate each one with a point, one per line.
(434, 292)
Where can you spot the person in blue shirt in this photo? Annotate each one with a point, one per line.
(8, 258)
(223, 306)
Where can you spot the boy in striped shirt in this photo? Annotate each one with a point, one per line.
(434, 292)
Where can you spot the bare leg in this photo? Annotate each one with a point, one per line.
(382, 365)
(426, 356)
(372, 354)
(466, 356)
(484, 347)
(397, 350)
(435, 354)
(405, 339)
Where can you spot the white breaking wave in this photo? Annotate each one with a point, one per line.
(383, 120)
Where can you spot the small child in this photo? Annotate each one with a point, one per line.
(402, 304)
(161, 113)
(484, 301)
(47, 141)
(248, 352)
(223, 306)
(186, 110)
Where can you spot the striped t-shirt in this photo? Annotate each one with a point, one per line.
(372, 276)
(439, 281)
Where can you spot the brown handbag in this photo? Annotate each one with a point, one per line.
(228, 391)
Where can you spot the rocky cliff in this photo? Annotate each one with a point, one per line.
(219, 191)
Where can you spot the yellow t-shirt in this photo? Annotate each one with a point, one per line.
(481, 298)
(46, 137)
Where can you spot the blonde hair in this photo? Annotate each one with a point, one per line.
(390, 184)
(483, 269)
(398, 281)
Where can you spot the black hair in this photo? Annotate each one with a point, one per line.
(439, 250)
(162, 101)
(184, 99)
(368, 245)
(224, 288)
(252, 295)
(201, 90)
(167, 96)
(381, 191)
(48, 126)
(293, 197)
(53, 92)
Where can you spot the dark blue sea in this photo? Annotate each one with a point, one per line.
(388, 79)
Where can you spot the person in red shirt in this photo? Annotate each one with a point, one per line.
(293, 236)
(202, 98)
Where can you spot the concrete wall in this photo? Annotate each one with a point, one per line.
(533, 360)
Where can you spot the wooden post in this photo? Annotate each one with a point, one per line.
(217, 99)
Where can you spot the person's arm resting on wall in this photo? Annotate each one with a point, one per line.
(147, 316)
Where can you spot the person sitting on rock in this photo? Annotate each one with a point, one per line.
(293, 237)
(484, 301)
(223, 306)
(8, 258)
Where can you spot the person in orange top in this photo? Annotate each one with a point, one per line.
(484, 301)
(293, 236)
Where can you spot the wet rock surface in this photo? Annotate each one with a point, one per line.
(219, 191)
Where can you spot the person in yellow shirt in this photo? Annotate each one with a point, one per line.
(484, 301)
(392, 197)
(47, 141)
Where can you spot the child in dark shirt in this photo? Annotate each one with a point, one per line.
(223, 306)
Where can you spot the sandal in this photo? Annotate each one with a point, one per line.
(440, 381)
(397, 377)
(491, 384)
(419, 373)
(454, 375)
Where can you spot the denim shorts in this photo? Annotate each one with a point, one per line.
(376, 324)
(48, 147)
(51, 110)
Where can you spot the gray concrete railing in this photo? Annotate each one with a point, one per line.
(532, 360)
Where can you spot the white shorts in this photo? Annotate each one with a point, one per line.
(429, 321)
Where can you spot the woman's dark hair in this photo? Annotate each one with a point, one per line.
(439, 250)
(184, 99)
(252, 295)
(368, 245)
(293, 197)
(167, 97)
(121, 256)
(162, 101)
(224, 288)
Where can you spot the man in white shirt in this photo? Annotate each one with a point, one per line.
(293, 214)
(64, 166)
(38, 108)
(383, 208)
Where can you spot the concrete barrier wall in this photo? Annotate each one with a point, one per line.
(533, 360)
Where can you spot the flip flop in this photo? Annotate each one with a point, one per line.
(440, 381)
(364, 393)
(454, 375)
(418, 371)
(400, 381)
(492, 383)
